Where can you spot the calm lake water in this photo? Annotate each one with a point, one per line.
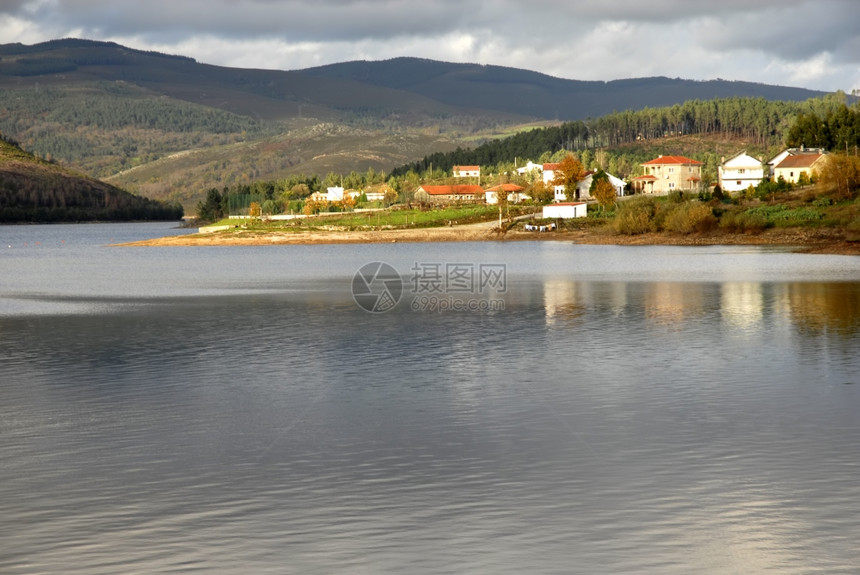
(523, 408)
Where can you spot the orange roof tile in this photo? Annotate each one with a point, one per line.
(799, 161)
(506, 187)
(456, 190)
(672, 160)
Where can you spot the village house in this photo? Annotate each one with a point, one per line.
(459, 193)
(791, 168)
(334, 194)
(467, 171)
(666, 174)
(530, 167)
(565, 210)
(583, 188)
(378, 192)
(791, 152)
(548, 177)
(514, 193)
(740, 172)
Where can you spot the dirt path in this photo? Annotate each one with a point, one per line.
(810, 241)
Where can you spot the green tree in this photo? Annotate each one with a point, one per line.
(212, 208)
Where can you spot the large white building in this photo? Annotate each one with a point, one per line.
(740, 172)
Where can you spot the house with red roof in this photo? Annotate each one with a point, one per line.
(666, 174)
(467, 171)
(457, 193)
(514, 194)
(792, 166)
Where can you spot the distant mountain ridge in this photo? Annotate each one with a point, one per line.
(530, 93)
(410, 86)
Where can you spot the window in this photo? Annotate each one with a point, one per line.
(739, 182)
(671, 185)
(741, 171)
(671, 170)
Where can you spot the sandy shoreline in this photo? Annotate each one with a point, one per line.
(824, 241)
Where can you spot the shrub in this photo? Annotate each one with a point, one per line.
(635, 216)
(852, 231)
(782, 215)
(743, 222)
(690, 217)
(676, 197)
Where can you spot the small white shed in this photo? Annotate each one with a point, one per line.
(565, 210)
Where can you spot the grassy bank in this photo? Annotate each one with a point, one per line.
(381, 219)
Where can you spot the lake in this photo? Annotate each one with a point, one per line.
(523, 407)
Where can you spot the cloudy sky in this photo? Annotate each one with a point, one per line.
(806, 43)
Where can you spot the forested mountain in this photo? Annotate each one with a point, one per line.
(826, 122)
(33, 190)
(533, 94)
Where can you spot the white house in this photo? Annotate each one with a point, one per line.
(530, 167)
(548, 177)
(740, 172)
(334, 194)
(514, 192)
(565, 210)
(583, 187)
(467, 171)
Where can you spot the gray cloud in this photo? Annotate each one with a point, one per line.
(811, 43)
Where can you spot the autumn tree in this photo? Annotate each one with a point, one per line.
(542, 193)
(604, 192)
(313, 206)
(840, 176)
(347, 202)
(568, 174)
(389, 197)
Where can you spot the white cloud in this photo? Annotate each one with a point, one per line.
(808, 43)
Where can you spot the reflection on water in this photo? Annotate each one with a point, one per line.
(820, 307)
(742, 304)
(258, 421)
(832, 307)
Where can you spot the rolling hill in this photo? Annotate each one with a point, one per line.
(33, 190)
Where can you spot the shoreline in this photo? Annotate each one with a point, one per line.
(814, 241)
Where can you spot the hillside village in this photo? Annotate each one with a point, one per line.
(660, 176)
